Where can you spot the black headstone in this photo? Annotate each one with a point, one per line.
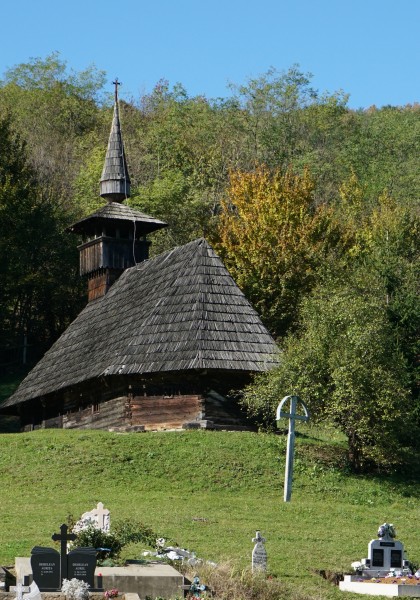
(377, 557)
(81, 564)
(396, 559)
(45, 563)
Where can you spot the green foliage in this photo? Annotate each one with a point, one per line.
(38, 267)
(52, 108)
(92, 537)
(129, 531)
(347, 365)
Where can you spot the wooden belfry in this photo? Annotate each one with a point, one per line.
(114, 237)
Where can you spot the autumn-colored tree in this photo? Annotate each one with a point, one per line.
(273, 238)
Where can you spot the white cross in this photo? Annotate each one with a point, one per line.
(100, 515)
(292, 416)
(258, 539)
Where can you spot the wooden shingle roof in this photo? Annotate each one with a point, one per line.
(114, 211)
(178, 311)
(115, 180)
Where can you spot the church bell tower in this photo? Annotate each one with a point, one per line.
(115, 236)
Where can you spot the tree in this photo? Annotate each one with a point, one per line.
(273, 238)
(354, 356)
(381, 146)
(53, 108)
(39, 263)
(347, 365)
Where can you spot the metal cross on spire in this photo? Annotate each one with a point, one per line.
(116, 83)
(292, 415)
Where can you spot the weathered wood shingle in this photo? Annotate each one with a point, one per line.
(119, 213)
(178, 311)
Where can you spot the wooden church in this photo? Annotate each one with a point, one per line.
(161, 342)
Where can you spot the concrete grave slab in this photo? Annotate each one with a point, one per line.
(150, 579)
(392, 590)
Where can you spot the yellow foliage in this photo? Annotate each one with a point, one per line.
(271, 236)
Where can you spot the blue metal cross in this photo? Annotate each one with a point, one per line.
(292, 416)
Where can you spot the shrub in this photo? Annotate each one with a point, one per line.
(128, 532)
(96, 538)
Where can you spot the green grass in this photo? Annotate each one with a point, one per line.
(209, 492)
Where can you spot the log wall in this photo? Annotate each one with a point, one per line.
(136, 406)
(106, 415)
(166, 412)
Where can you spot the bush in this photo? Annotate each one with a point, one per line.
(128, 532)
(96, 538)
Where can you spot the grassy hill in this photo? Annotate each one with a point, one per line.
(209, 492)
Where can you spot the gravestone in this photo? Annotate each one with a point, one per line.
(385, 572)
(45, 564)
(100, 516)
(81, 564)
(385, 554)
(50, 567)
(31, 592)
(63, 537)
(259, 554)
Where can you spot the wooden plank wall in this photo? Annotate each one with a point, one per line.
(166, 412)
(112, 413)
(149, 413)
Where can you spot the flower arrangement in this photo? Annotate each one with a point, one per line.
(387, 530)
(110, 594)
(75, 589)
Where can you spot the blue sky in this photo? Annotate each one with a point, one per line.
(370, 49)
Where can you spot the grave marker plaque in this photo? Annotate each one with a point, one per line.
(396, 559)
(81, 564)
(377, 557)
(45, 563)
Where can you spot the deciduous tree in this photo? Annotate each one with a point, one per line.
(273, 238)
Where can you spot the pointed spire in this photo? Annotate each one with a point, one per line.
(115, 180)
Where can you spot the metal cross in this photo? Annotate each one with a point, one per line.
(63, 537)
(116, 83)
(292, 416)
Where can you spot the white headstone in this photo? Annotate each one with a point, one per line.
(259, 554)
(386, 554)
(100, 516)
(34, 593)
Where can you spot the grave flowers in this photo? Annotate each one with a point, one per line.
(75, 589)
(387, 530)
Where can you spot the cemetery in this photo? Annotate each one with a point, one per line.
(74, 573)
(82, 565)
(49, 572)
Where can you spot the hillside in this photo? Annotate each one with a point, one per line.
(209, 492)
